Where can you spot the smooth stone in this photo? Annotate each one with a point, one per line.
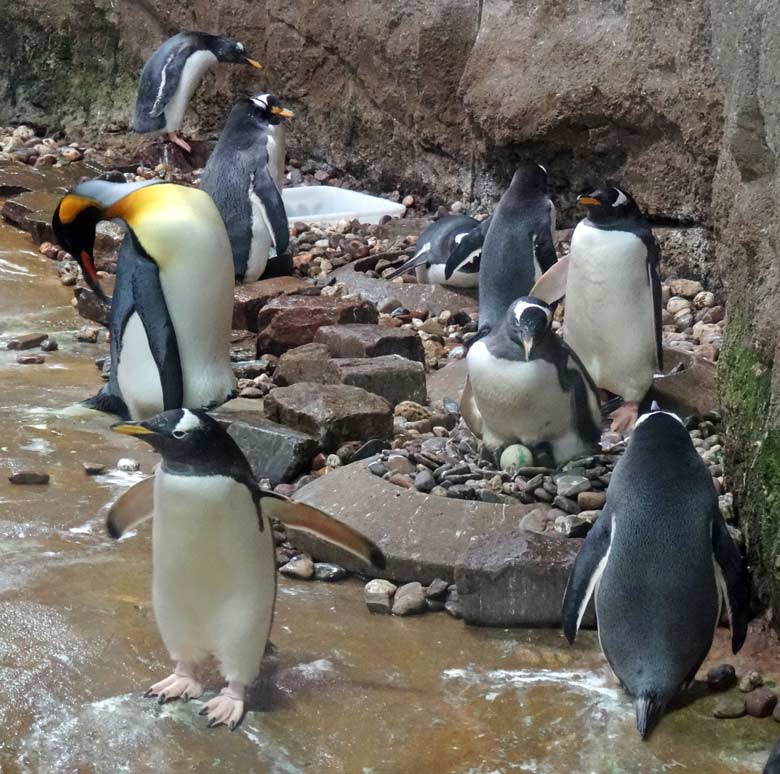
(424, 481)
(750, 681)
(128, 465)
(378, 468)
(566, 504)
(93, 468)
(591, 501)
(437, 589)
(29, 477)
(573, 526)
(570, 486)
(760, 702)
(300, 566)
(538, 520)
(30, 359)
(378, 594)
(26, 341)
(730, 707)
(325, 571)
(409, 599)
(398, 464)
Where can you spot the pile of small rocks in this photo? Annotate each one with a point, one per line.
(23, 145)
(25, 342)
(384, 597)
(754, 697)
(693, 319)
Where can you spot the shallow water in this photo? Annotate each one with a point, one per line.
(346, 692)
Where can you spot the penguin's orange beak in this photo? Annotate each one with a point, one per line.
(588, 201)
(131, 428)
(283, 112)
(254, 63)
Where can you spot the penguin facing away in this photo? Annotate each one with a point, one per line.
(660, 562)
(518, 246)
(613, 299)
(434, 247)
(242, 176)
(171, 75)
(530, 388)
(214, 569)
(172, 307)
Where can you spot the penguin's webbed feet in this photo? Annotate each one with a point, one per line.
(226, 709)
(176, 140)
(180, 685)
(624, 417)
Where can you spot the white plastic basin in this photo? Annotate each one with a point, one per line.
(327, 204)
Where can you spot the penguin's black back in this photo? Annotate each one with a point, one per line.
(441, 235)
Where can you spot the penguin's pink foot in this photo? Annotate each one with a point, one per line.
(624, 418)
(176, 140)
(180, 685)
(227, 709)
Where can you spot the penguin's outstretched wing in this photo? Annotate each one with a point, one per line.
(653, 264)
(551, 286)
(306, 518)
(731, 579)
(586, 573)
(153, 311)
(166, 81)
(467, 247)
(271, 206)
(131, 508)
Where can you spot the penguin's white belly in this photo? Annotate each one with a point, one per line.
(214, 577)
(261, 248)
(137, 373)
(194, 69)
(458, 279)
(609, 310)
(520, 401)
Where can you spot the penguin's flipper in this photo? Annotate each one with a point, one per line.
(586, 573)
(131, 508)
(170, 76)
(551, 286)
(469, 410)
(544, 247)
(470, 244)
(411, 263)
(732, 581)
(653, 263)
(271, 206)
(306, 518)
(153, 311)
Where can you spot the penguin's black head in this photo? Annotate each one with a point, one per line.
(530, 179)
(659, 422)
(185, 436)
(231, 51)
(528, 321)
(605, 204)
(267, 108)
(74, 223)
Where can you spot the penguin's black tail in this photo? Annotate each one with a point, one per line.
(648, 713)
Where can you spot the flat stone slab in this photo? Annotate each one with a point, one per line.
(423, 536)
(32, 211)
(448, 382)
(250, 298)
(17, 178)
(370, 341)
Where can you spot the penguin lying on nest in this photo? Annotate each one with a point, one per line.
(171, 75)
(435, 246)
(661, 563)
(245, 176)
(214, 569)
(526, 386)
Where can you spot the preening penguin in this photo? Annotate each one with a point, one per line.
(171, 75)
(530, 388)
(244, 176)
(660, 562)
(172, 307)
(613, 299)
(214, 571)
(435, 246)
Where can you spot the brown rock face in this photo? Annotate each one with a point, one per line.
(250, 298)
(291, 321)
(370, 341)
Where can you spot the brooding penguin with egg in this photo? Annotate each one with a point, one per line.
(172, 307)
(245, 176)
(171, 75)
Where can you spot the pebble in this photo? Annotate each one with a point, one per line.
(760, 702)
(439, 491)
(300, 566)
(378, 594)
(569, 486)
(128, 465)
(685, 287)
(88, 334)
(49, 345)
(591, 501)
(333, 461)
(29, 477)
(399, 464)
(750, 681)
(409, 599)
(324, 571)
(566, 504)
(437, 589)
(721, 677)
(537, 520)
(30, 359)
(573, 526)
(776, 713)
(424, 481)
(93, 468)
(26, 341)
(452, 605)
(402, 479)
(378, 468)
(729, 707)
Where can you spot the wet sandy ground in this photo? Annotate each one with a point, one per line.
(346, 692)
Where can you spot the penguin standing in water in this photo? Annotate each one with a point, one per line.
(530, 388)
(434, 247)
(518, 246)
(171, 75)
(244, 176)
(660, 562)
(214, 570)
(173, 300)
(613, 299)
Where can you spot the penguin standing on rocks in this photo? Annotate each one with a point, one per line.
(518, 246)
(613, 299)
(172, 307)
(660, 562)
(434, 247)
(171, 75)
(243, 178)
(214, 570)
(530, 388)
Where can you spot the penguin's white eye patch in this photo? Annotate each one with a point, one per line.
(656, 413)
(521, 306)
(187, 422)
(240, 46)
(621, 198)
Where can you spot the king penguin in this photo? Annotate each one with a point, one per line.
(214, 570)
(245, 176)
(171, 75)
(172, 307)
(518, 246)
(434, 247)
(613, 299)
(660, 562)
(530, 388)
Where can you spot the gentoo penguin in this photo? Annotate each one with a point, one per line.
(518, 246)
(660, 562)
(434, 247)
(214, 570)
(613, 299)
(173, 299)
(243, 178)
(773, 764)
(530, 388)
(171, 75)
